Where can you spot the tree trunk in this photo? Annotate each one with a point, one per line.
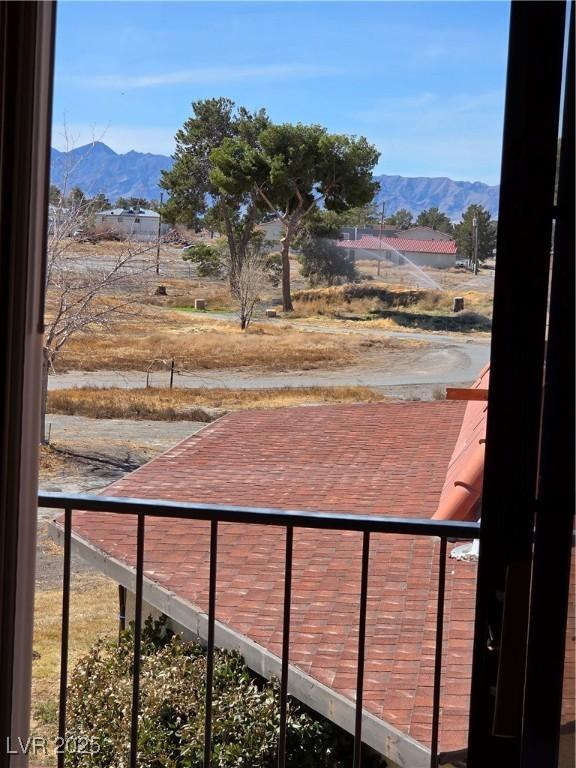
(286, 296)
(44, 401)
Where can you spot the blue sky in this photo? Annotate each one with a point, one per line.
(424, 81)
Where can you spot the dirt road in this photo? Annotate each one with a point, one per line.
(446, 359)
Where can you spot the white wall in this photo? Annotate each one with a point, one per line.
(440, 260)
(135, 227)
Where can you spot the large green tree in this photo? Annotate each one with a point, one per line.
(402, 219)
(436, 219)
(195, 198)
(292, 170)
(465, 234)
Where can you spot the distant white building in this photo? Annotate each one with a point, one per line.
(135, 223)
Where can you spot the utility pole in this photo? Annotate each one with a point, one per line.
(475, 245)
(381, 232)
(158, 235)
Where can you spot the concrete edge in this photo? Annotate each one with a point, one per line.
(395, 745)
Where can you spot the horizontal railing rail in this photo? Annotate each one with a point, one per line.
(288, 519)
(336, 521)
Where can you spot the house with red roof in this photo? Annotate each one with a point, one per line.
(436, 252)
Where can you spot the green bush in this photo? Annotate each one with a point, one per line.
(172, 693)
(208, 260)
(322, 262)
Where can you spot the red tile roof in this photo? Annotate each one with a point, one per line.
(404, 245)
(388, 458)
(381, 458)
(463, 485)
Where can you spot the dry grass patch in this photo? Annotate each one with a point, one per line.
(199, 343)
(52, 462)
(189, 404)
(93, 614)
(181, 294)
(394, 307)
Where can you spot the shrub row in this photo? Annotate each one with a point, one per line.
(172, 710)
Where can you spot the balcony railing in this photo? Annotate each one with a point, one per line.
(367, 525)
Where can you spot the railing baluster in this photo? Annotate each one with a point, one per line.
(137, 641)
(64, 637)
(438, 654)
(361, 650)
(285, 646)
(210, 648)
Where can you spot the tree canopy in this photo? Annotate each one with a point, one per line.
(464, 233)
(292, 170)
(54, 195)
(436, 219)
(233, 168)
(402, 219)
(133, 202)
(195, 199)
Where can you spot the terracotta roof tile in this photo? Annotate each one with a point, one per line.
(371, 243)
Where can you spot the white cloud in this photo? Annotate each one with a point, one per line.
(200, 75)
(430, 107)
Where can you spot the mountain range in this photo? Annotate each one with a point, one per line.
(422, 192)
(96, 168)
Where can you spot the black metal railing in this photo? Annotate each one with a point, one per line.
(367, 525)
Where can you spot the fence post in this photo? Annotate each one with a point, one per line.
(172, 374)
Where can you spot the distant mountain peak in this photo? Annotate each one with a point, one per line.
(101, 146)
(96, 147)
(96, 168)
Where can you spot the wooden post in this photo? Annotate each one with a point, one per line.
(172, 374)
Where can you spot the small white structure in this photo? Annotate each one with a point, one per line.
(135, 223)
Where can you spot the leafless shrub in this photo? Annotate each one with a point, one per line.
(83, 294)
(252, 276)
